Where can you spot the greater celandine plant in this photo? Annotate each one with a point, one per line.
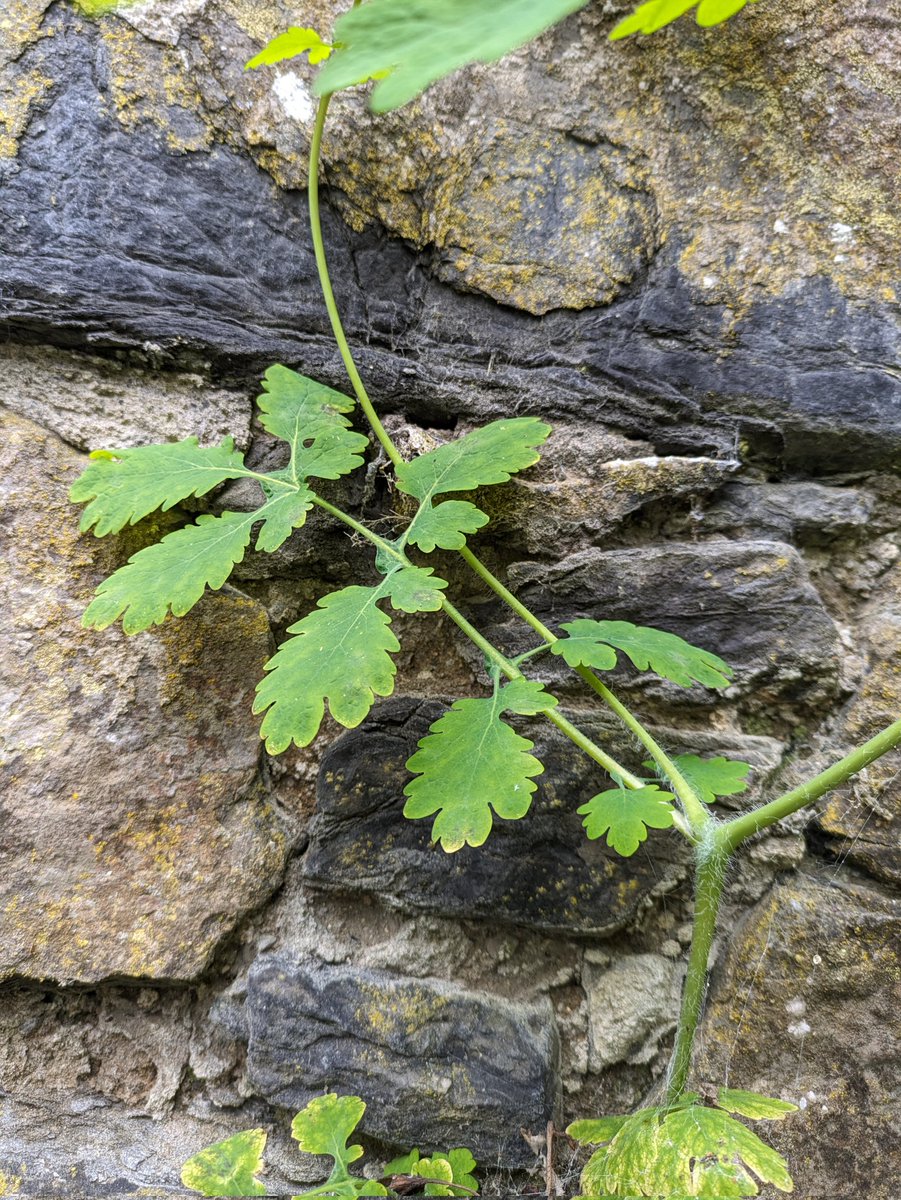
(473, 766)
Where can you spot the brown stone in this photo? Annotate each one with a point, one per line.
(136, 832)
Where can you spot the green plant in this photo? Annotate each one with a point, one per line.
(325, 1126)
(472, 767)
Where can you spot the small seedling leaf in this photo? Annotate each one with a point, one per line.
(462, 1164)
(325, 1127)
(436, 1168)
(655, 14)
(666, 654)
(228, 1168)
(487, 455)
(124, 486)
(445, 525)
(625, 816)
(711, 777)
(291, 44)
(405, 1165)
(309, 417)
(412, 43)
(172, 574)
(754, 1106)
(471, 762)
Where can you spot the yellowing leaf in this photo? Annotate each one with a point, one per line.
(325, 1127)
(471, 762)
(411, 43)
(228, 1168)
(753, 1105)
(625, 816)
(655, 14)
(666, 654)
(290, 44)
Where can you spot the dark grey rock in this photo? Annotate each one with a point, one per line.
(789, 512)
(437, 1066)
(539, 872)
(111, 240)
(752, 603)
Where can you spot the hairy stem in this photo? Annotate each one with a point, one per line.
(710, 872)
(734, 832)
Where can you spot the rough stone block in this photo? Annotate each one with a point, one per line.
(437, 1066)
(136, 831)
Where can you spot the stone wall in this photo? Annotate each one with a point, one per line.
(681, 252)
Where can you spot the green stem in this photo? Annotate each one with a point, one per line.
(734, 832)
(491, 652)
(328, 293)
(710, 873)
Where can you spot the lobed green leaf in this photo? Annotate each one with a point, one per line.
(471, 762)
(445, 525)
(655, 14)
(711, 777)
(325, 1127)
(487, 455)
(124, 486)
(228, 1168)
(172, 574)
(625, 816)
(339, 655)
(666, 654)
(291, 44)
(753, 1105)
(413, 43)
(310, 417)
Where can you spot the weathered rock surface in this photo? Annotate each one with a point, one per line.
(92, 402)
(437, 1064)
(540, 872)
(806, 1007)
(863, 820)
(632, 1004)
(750, 602)
(137, 832)
(763, 309)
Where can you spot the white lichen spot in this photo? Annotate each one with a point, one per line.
(841, 234)
(779, 226)
(294, 97)
(799, 1029)
(796, 1007)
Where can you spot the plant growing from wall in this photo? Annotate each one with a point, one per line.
(473, 767)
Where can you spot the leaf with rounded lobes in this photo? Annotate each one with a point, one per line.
(283, 514)
(414, 589)
(340, 653)
(124, 486)
(471, 762)
(582, 649)
(666, 654)
(703, 1151)
(412, 43)
(753, 1105)
(626, 816)
(228, 1168)
(487, 455)
(462, 1164)
(655, 14)
(290, 44)
(710, 777)
(172, 574)
(325, 1126)
(436, 1168)
(405, 1165)
(445, 525)
(309, 417)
